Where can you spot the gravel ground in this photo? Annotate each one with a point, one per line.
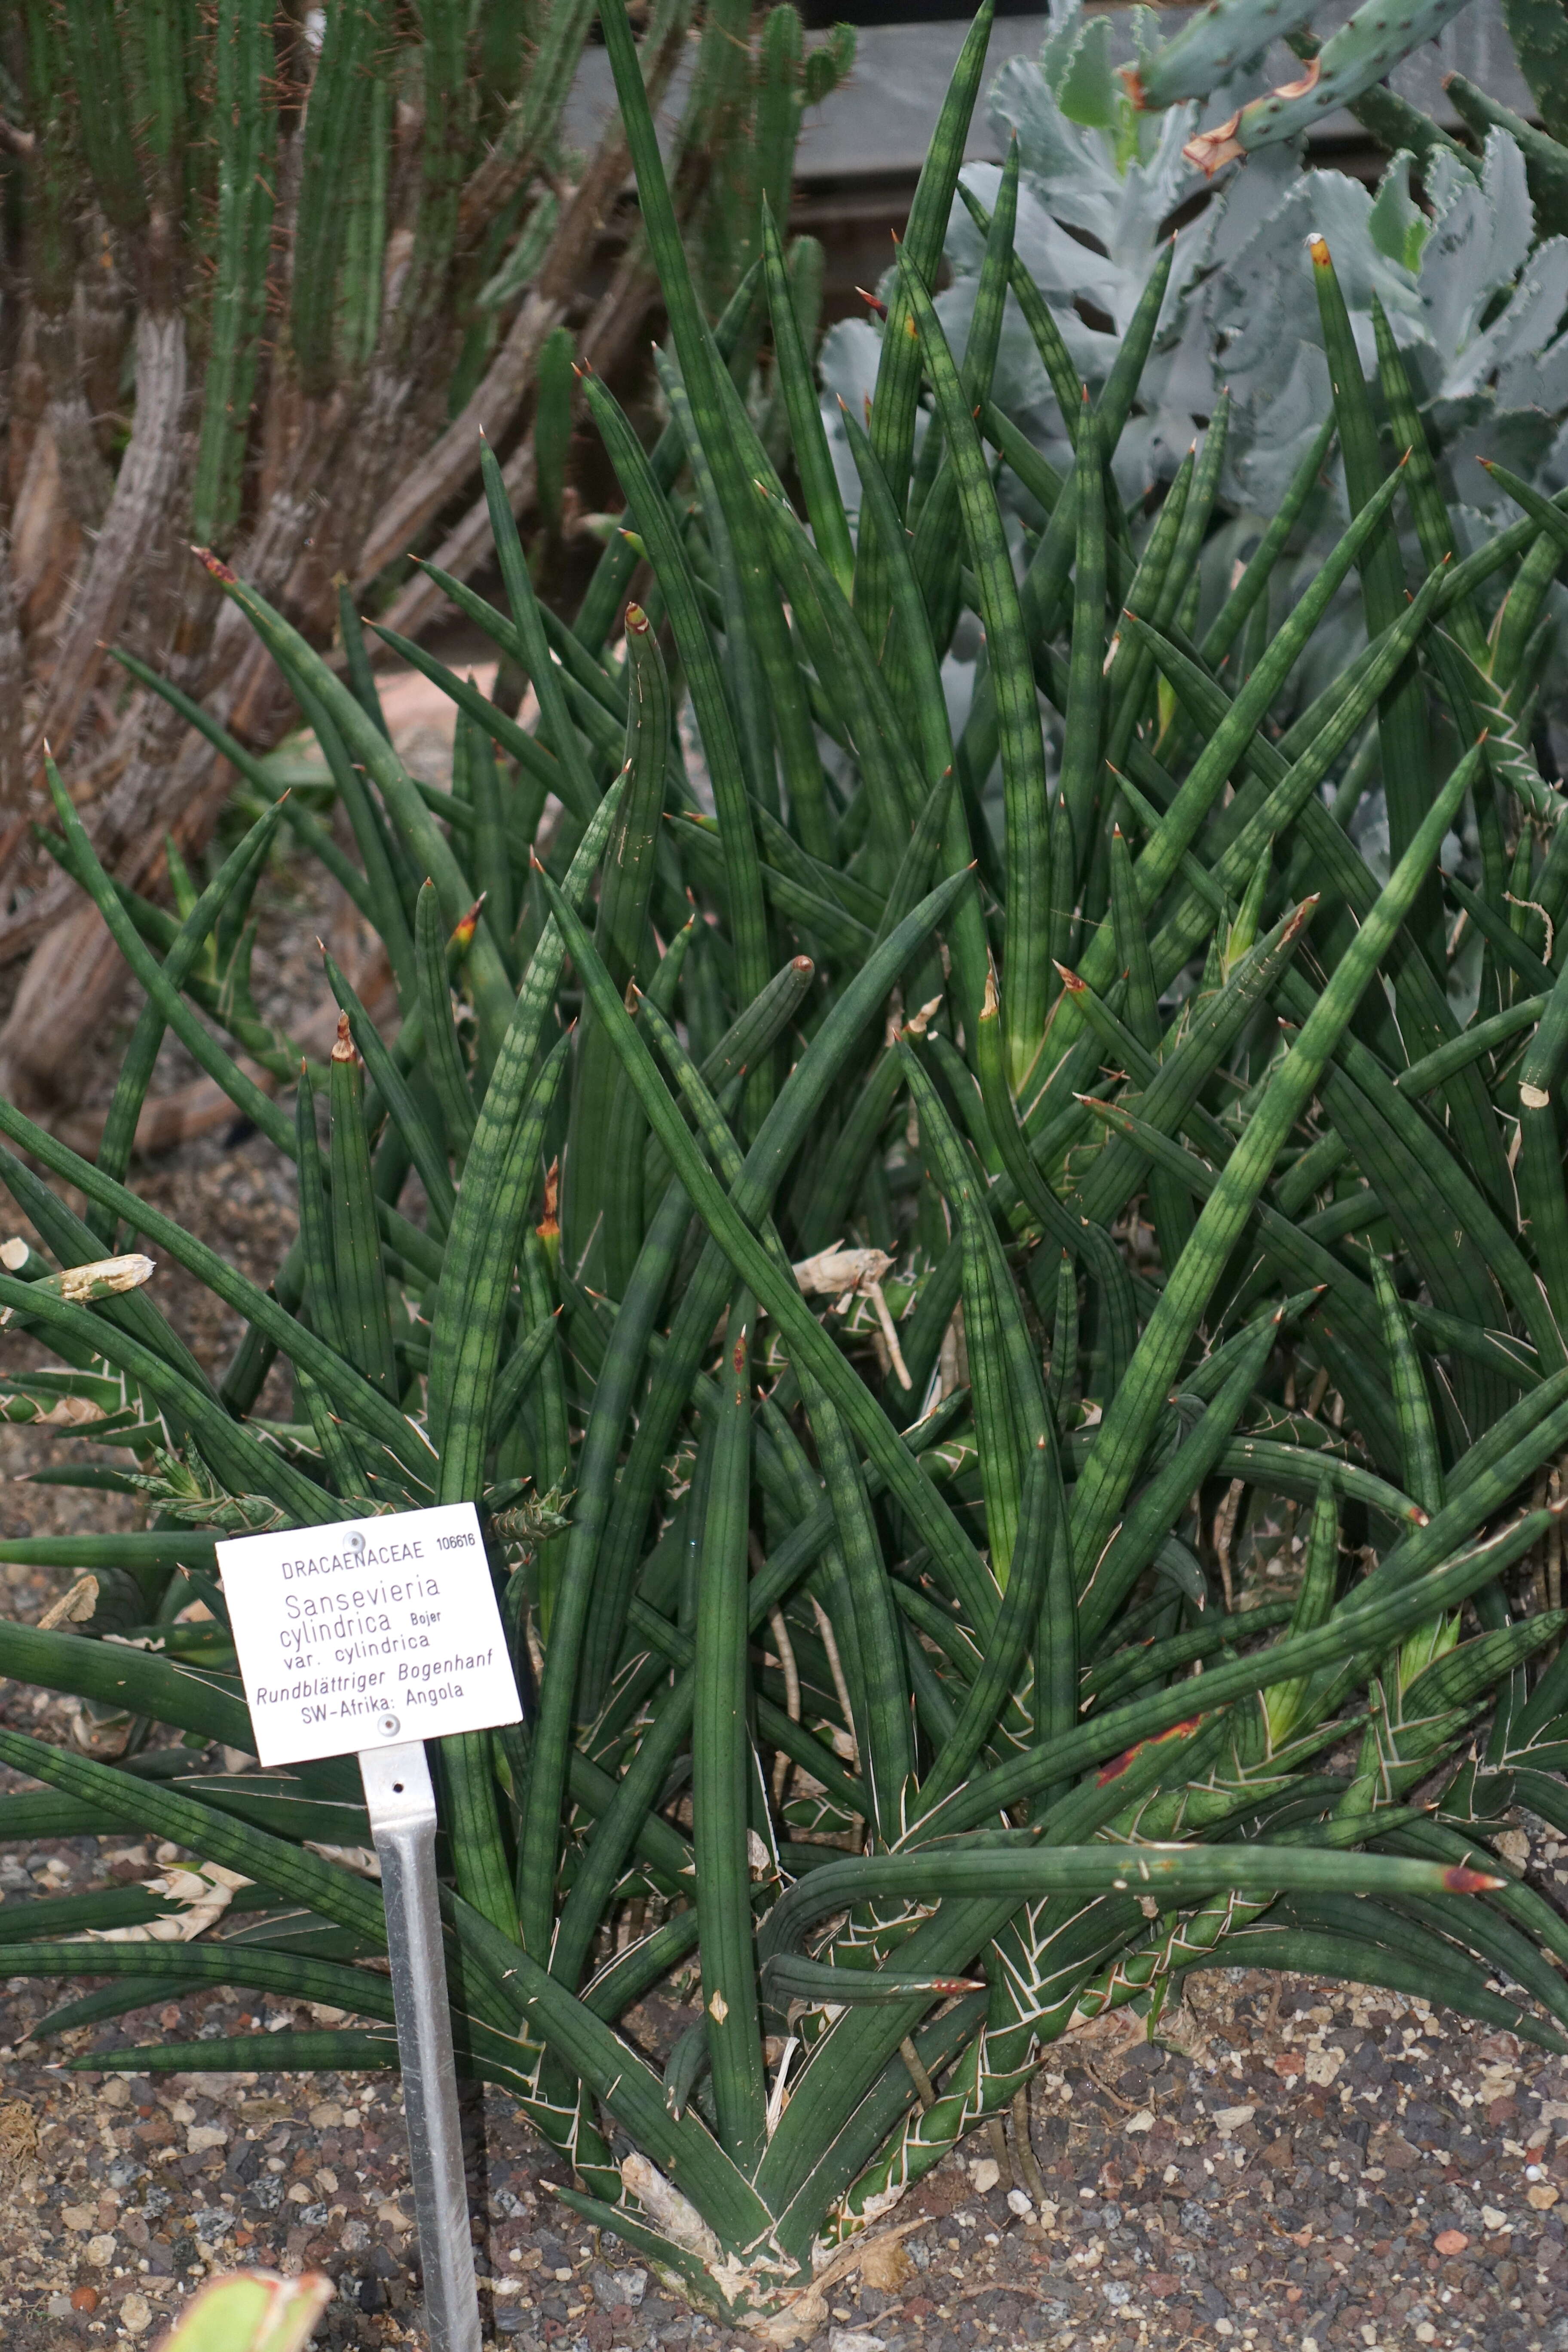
(1312, 2167)
(1326, 2169)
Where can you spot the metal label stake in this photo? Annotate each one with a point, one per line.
(401, 1803)
(386, 1626)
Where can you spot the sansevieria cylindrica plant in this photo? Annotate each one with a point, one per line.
(1001, 1299)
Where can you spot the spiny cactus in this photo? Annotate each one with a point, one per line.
(1539, 31)
(268, 273)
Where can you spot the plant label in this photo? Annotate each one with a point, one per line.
(371, 1632)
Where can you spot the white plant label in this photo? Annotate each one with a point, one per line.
(367, 1634)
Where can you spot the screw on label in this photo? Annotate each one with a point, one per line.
(389, 1727)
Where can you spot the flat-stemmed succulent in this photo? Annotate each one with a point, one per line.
(1009, 1343)
(1471, 280)
(1453, 254)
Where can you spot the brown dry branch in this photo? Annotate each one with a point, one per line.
(333, 446)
